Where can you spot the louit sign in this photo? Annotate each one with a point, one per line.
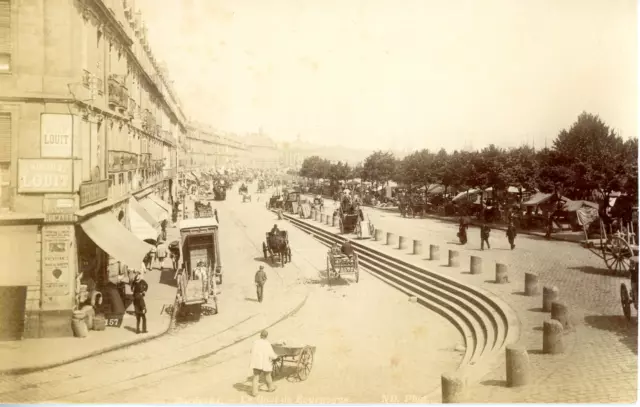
(56, 135)
(45, 176)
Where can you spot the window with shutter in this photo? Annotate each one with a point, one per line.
(5, 35)
(5, 137)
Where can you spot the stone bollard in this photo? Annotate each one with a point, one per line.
(454, 258)
(552, 337)
(313, 214)
(560, 313)
(531, 284)
(475, 265)
(334, 222)
(402, 243)
(322, 218)
(518, 367)
(279, 214)
(549, 295)
(417, 247)
(328, 220)
(391, 239)
(434, 252)
(502, 275)
(379, 233)
(453, 386)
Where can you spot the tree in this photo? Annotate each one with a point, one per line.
(379, 167)
(521, 168)
(339, 172)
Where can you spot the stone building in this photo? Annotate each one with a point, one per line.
(207, 148)
(262, 151)
(89, 125)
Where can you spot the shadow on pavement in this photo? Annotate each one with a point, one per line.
(244, 387)
(626, 331)
(250, 299)
(494, 383)
(166, 278)
(600, 271)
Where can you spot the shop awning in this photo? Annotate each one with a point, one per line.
(158, 201)
(112, 237)
(470, 194)
(140, 210)
(155, 210)
(140, 225)
(540, 197)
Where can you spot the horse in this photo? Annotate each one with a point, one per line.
(277, 245)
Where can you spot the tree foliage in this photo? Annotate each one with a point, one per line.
(588, 157)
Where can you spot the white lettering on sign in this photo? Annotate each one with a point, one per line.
(36, 175)
(56, 132)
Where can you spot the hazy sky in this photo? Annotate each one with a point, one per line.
(401, 73)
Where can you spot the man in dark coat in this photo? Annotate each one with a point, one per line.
(347, 249)
(139, 288)
(511, 234)
(485, 230)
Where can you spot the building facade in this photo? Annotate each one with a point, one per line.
(89, 122)
(262, 152)
(207, 148)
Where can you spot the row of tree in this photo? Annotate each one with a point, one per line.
(586, 158)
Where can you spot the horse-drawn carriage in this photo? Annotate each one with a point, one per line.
(219, 192)
(276, 247)
(412, 206)
(261, 187)
(243, 189)
(276, 201)
(339, 264)
(292, 202)
(246, 198)
(202, 210)
(617, 238)
(200, 268)
(350, 216)
(301, 356)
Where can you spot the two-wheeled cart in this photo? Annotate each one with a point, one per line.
(301, 356)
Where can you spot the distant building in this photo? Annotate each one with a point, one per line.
(207, 148)
(262, 152)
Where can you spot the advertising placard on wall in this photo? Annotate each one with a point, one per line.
(56, 264)
(37, 175)
(56, 135)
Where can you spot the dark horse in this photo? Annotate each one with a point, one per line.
(277, 245)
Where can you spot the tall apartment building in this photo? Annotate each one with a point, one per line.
(262, 151)
(207, 148)
(89, 125)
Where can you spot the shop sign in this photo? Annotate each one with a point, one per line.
(56, 253)
(56, 135)
(45, 175)
(93, 192)
(58, 210)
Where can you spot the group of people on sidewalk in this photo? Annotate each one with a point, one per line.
(485, 232)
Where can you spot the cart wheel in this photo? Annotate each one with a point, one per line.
(617, 255)
(277, 365)
(626, 302)
(305, 363)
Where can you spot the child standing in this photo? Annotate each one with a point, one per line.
(484, 236)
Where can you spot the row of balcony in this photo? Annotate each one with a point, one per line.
(124, 161)
(118, 93)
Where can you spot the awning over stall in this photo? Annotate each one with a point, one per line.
(112, 237)
(142, 225)
(155, 210)
(158, 201)
(140, 210)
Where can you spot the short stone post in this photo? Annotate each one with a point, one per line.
(454, 258)
(313, 214)
(279, 214)
(328, 219)
(402, 243)
(322, 218)
(335, 221)
(391, 239)
(549, 295)
(434, 252)
(453, 386)
(417, 246)
(518, 367)
(560, 313)
(502, 274)
(475, 265)
(552, 337)
(531, 284)
(379, 233)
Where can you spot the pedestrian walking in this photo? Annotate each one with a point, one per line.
(511, 234)
(485, 230)
(260, 280)
(549, 225)
(262, 357)
(462, 231)
(139, 288)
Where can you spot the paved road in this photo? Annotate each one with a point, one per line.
(602, 365)
(373, 345)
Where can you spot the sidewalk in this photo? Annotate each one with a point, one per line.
(564, 236)
(19, 357)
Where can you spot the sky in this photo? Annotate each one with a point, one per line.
(409, 74)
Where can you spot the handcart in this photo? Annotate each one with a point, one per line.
(301, 356)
